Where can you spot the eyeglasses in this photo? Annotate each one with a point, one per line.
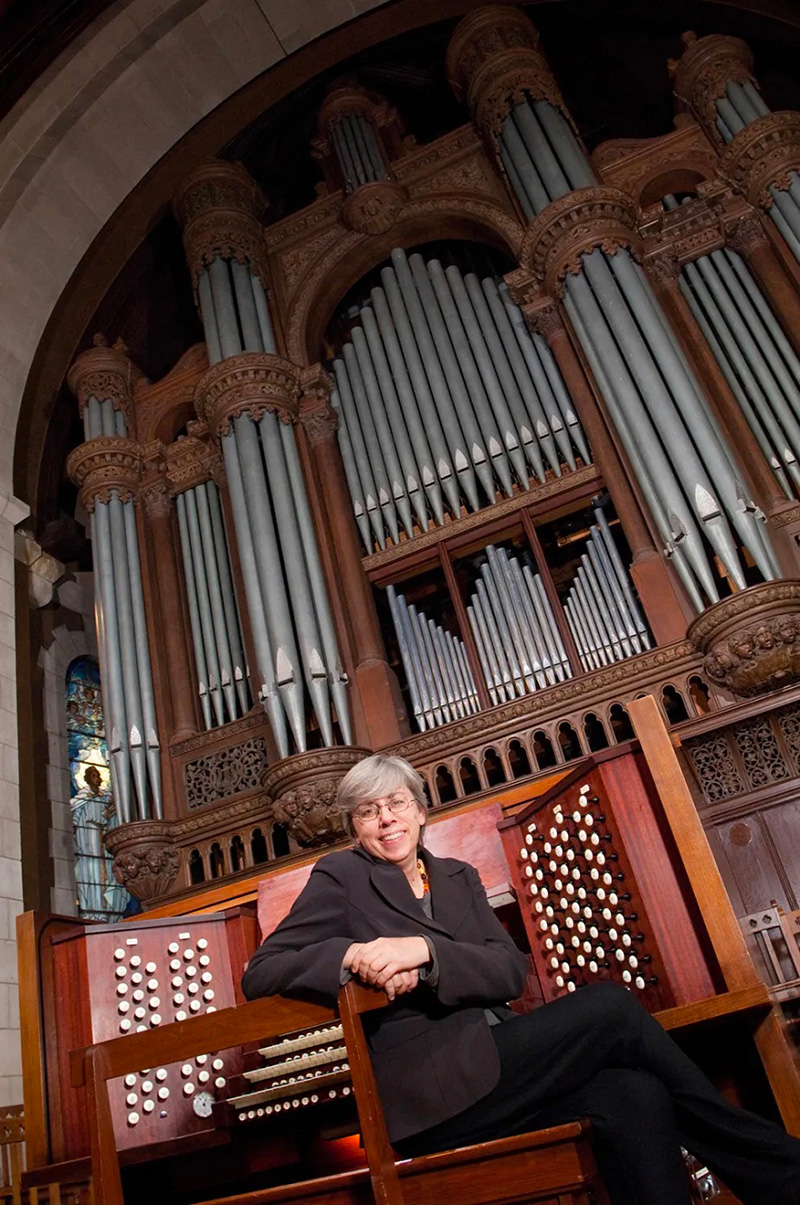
(371, 811)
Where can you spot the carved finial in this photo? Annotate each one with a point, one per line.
(99, 340)
(688, 37)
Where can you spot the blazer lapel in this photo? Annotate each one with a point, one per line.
(390, 883)
(450, 894)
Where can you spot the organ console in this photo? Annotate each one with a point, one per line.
(605, 875)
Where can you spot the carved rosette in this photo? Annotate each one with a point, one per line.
(763, 153)
(250, 383)
(703, 73)
(106, 374)
(373, 208)
(574, 225)
(221, 210)
(145, 861)
(494, 62)
(303, 790)
(102, 465)
(751, 640)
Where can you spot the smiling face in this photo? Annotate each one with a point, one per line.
(390, 836)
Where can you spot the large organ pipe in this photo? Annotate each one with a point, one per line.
(397, 433)
(365, 419)
(657, 493)
(394, 318)
(470, 462)
(458, 362)
(678, 445)
(487, 379)
(441, 374)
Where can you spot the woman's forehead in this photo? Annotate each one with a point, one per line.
(386, 790)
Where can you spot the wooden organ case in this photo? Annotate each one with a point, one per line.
(612, 879)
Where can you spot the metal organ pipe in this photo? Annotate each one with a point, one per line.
(651, 382)
(443, 375)
(124, 647)
(435, 665)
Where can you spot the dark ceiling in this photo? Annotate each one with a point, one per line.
(610, 60)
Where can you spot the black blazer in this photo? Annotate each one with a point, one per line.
(432, 1049)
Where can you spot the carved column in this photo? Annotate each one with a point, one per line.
(667, 609)
(107, 471)
(760, 149)
(157, 509)
(379, 714)
(584, 247)
(359, 135)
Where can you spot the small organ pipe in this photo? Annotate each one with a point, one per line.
(204, 605)
(194, 612)
(222, 643)
(535, 193)
(209, 318)
(246, 306)
(409, 660)
(224, 308)
(230, 607)
(488, 662)
(150, 734)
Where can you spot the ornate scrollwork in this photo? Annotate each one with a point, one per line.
(751, 640)
(226, 772)
(103, 465)
(191, 461)
(250, 383)
(221, 209)
(304, 788)
(373, 208)
(145, 861)
(763, 154)
(574, 225)
(703, 73)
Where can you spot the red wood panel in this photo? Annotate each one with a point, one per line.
(657, 868)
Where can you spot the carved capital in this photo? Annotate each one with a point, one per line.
(145, 861)
(373, 208)
(251, 384)
(156, 499)
(763, 154)
(544, 317)
(102, 465)
(221, 210)
(320, 423)
(746, 234)
(663, 265)
(494, 61)
(703, 72)
(751, 640)
(105, 374)
(303, 789)
(576, 224)
(192, 460)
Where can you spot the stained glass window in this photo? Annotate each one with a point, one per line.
(100, 896)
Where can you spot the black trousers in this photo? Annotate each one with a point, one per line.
(598, 1054)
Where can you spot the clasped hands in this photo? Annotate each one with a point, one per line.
(390, 963)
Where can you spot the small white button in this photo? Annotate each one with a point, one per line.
(136, 961)
(123, 1006)
(163, 1093)
(180, 1016)
(150, 968)
(173, 947)
(204, 960)
(178, 998)
(175, 965)
(155, 1019)
(186, 1070)
(130, 1081)
(218, 1064)
(153, 1002)
(204, 1076)
(125, 1025)
(188, 1089)
(220, 1081)
(131, 1099)
(202, 943)
(201, 1059)
(133, 1119)
(148, 1106)
(137, 977)
(188, 955)
(122, 989)
(194, 1006)
(121, 972)
(161, 1074)
(119, 955)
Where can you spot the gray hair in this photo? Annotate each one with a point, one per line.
(374, 777)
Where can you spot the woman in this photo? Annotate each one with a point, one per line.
(453, 1065)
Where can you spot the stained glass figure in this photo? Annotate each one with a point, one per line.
(100, 896)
